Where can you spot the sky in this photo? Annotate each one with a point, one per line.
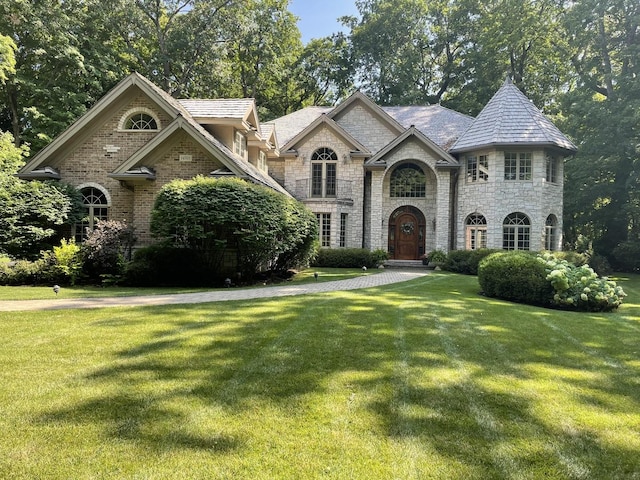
(319, 18)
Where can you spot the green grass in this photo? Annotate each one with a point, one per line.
(418, 380)
(83, 291)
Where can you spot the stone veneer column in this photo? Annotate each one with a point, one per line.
(443, 210)
(377, 177)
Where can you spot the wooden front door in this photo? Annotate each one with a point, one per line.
(406, 237)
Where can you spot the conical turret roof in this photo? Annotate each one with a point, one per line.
(511, 119)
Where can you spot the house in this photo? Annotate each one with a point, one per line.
(404, 179)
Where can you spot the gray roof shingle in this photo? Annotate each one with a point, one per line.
(511, 119)
(218, 108)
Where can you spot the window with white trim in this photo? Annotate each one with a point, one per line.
(96, 207)
(343, 229)
(324, 168)
(140, 121)
(552, 164)
(240, 144)
(550, 233)
(477, 168)
(476, 232)
(262, 161)
(324, 228)
(517, 166)
(516, 232)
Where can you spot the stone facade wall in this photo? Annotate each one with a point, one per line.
(370, 131)
(496, 198)
(431, 205)
(350, 177)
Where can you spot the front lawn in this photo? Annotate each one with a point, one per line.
(84, 291)
(417, 380)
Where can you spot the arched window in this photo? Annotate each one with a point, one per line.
(139, 119)
(324, 164)
(516, 232)
(476, 232)
(96, 207)
(408, 180)
(550, 233)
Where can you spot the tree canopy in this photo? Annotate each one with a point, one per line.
(578, 60)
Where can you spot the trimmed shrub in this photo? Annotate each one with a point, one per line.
(627, 256)
(515, 276)
(166, 266)
(349, 258)
(218, 217)
(579, 287)
(466, 261)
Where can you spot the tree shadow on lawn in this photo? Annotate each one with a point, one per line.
(444, 368)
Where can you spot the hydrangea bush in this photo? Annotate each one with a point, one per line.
(579, 287)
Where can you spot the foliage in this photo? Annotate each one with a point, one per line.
(627, 256)
(162, 265)
(515, 276)
(349, 258)
(219, 217)
(106, 249)
(466, 261)
(580, 288)
(436, 256)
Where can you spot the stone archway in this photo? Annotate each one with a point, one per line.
(406, 233)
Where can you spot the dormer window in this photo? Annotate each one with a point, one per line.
(262, 161)
(240, 144)
(139, 119)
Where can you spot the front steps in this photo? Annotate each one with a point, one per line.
(404, 264)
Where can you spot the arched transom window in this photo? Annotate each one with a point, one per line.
(516, 232)
(324, 165)
(96, 207)
(408, 180)
(141, 121)
(140, 118)
(476, 232)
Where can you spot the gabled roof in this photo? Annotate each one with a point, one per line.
(359, 97)
(165, 101)
(511, 119)
(324, 120)
(445, 160)
(134, 167)
(230, 160)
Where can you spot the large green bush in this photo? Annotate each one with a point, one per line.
(349, 258)
(627, 256)
(516, 276)
(466, 261)
(262, 228)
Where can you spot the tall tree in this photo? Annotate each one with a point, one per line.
(603, 113)
(52, 84)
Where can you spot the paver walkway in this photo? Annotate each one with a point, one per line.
(365, 281)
